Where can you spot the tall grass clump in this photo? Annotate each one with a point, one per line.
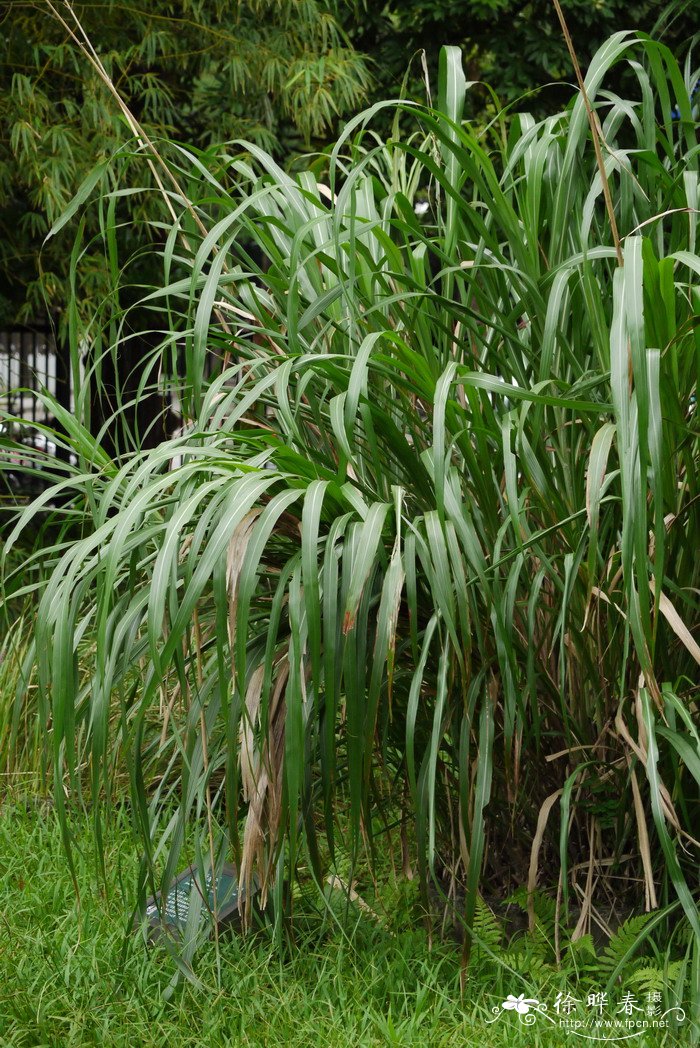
(425, 546)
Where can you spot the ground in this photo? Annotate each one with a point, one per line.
(70, 976)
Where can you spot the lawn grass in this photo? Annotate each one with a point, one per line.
(66, 981)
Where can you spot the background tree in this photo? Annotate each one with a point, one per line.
(516, 47)
(276, 72)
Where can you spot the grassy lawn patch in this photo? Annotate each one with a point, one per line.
(66, 980)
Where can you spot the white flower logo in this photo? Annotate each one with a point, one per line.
(521, 1004)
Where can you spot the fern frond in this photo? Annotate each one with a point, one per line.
(624, 943)
(650, 978)
(488, 930)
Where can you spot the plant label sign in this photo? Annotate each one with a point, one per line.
(218, 901)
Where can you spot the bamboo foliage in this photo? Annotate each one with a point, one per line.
(434, 515)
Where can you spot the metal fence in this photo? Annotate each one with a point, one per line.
(31, 360)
